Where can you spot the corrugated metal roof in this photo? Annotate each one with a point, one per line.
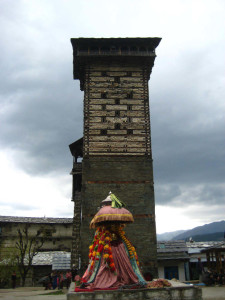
(198, 247)
(172, 250)
(43, 258)
(171, 246)
(61, 261)
(10, 219)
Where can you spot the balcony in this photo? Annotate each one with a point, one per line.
(77, 168)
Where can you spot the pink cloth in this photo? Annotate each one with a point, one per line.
(124, 272)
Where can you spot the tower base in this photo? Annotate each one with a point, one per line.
(179, 291)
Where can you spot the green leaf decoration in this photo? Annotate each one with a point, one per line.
(116, 203)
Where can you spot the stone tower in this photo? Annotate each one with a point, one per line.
(116, 146)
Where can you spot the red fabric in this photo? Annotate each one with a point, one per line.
(77, 289)
(124, 273)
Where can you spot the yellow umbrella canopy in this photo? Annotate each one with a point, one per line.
(113, 211)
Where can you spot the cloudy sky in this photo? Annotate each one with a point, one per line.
(41, 104)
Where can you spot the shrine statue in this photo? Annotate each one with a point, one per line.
(113, 261)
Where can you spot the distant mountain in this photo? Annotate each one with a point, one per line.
(207, 229)
(167, 236)
(217, 236)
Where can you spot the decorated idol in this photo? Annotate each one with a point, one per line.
(113, 261)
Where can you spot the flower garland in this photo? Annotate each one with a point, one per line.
(101, 244)
(130, 247)
(158, 283)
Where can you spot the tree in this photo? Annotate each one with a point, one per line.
(27, 246)
(8, 264)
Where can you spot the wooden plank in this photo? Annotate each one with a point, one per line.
(117, 145)
(102, 113)
(117, 154)
(128, 150)
(103, 101)
(127, 138)
(115, 68)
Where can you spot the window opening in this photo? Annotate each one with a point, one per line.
(117, 126)
(129, 107)
(125, 49)
(104, 73)
(105, 49)
(103, 95)
(129, 95)
(117, 101)
(113, 48)
(117, 79)
(129, 131)
(117, 113)
(103, 106)
(129, 73)
(133, 48)
(95, 49)
(103, 132)
(103, 119)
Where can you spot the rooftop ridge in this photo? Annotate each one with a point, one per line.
(17, 219)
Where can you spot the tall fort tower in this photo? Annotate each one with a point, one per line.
(116, 146)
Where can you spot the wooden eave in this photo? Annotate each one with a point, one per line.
(76, 148)
(83, 53)
(103, 42)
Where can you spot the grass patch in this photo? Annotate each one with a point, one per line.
(53, 293)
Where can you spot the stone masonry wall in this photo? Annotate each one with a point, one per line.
(131, 180)
(117, 150)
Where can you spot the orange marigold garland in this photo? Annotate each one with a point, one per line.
(101, 244)
(130, 247)
(107, 252)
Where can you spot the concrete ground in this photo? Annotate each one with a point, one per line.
(213, 293)
(28, 293)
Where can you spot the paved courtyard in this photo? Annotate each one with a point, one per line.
(213, 293)
(28, 293)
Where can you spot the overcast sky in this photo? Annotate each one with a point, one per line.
(41, 105)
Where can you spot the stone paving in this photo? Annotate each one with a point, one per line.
(28, 293)
(33, 293)
(213, 293)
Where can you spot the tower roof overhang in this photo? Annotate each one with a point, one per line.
(76, 148)
(135, 50)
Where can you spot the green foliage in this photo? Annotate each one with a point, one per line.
(27, 247)
(7, 266)
(53, 293)
(116, 203)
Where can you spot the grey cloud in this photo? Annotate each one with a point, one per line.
(41, 105)
(190, 194)
(41, 124)
(17, 206)
(188, 125)
(207, 214)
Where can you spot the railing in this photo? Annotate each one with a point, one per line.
(77, 168)
(114, 52)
